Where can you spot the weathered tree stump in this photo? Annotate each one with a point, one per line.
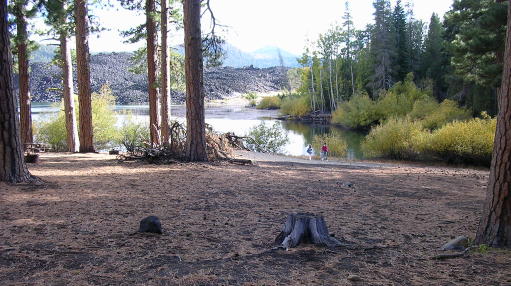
(305, 228)
(150, 224)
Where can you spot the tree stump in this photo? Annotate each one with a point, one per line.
(305, 228)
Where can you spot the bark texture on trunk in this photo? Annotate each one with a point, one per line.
(12, 165)
(154, 112)
(23, 67)
(83, 76)
(495, 226)
(165, 78)
(69, 104)
(196, 125)
(305, 228)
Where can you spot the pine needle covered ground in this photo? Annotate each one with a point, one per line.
(220, 219)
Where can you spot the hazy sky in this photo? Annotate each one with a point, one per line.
(253, 24)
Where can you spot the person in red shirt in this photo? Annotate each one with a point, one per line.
(324, 152)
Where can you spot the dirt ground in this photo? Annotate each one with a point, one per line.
(220, 220)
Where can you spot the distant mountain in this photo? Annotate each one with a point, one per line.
(260, 58)
(44, 54)
(234, 57)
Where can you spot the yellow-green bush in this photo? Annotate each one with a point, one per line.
(359, 112)
(336, 144)
(53, 131)
(446, 112)
(397, 138)
(269, 102)
(251, 97)
(423, 107)
(296, 105)
(464, 141)
(103, 118)
(400, 99)
(133, 135)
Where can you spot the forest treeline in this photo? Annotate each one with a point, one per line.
(458, 57)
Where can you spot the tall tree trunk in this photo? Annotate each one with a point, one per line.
(495, 225)
(165, 77)
(331, 84)
(12, 165)
(352, 79)
(154, 112)
(195, 121)
(23, 66)
(83, 76)
(321, 88)
(348, 54)
(313, 95)
(69, 103)
(336, 83)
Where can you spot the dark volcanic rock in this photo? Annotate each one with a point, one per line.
(128, 87)
(150, 224)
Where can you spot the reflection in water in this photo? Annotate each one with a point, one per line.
(235, 119)
(309, 130)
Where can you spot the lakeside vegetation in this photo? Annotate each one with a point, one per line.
(420, 96)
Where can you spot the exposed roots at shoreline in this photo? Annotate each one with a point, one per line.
(219, 147)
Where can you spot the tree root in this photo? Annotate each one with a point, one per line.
(452, 255)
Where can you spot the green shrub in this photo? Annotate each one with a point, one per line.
(446, 112)
(422, 108)
(251, 97)
(269, 102)
(400, 99)
(336, 144)
(358, 112)
(133, 135)
(53, 131)
(464, 141)
(397, 138)
(296, 105)
(103, 118)
(262, 138)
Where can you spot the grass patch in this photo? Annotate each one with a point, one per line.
(269, 102)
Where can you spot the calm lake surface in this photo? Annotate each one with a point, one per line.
(237, 119)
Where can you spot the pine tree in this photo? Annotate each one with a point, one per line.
(382, 49)
(83, 74)
(415, 36)
(58, 14)
(195, 120)
(401, 60)
(152, 44)
(22, 13)
(12, 164)
(349, 35)
(165, 75)
(433, 58)
(495, 226)
(475, 34)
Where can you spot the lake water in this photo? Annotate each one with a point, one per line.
(237, 119)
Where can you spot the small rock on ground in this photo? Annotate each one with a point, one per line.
(354, 277)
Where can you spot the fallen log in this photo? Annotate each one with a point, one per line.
(305, 228)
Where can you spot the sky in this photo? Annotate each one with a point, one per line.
(253, 24)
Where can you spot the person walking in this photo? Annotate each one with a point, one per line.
(324, 152)
(309, 151)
